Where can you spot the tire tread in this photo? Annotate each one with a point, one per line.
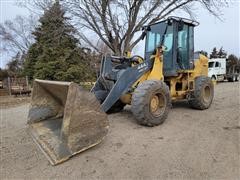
(196, 101)
(139, 101)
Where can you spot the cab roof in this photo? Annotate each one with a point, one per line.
(179, 19)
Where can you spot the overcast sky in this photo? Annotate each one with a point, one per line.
(210, 33)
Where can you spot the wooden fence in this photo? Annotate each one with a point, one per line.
(17, 86)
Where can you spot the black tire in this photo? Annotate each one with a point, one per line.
(230, 79)
(203, 93)
(142, 102)
(234, 78)
(117, 107)
(237, 78)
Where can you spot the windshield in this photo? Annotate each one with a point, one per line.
(158, 33)
(210, 64)
(155, 36)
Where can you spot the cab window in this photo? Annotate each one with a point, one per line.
(210, 64)
(168, 40)
(153, 40)
(217, 64)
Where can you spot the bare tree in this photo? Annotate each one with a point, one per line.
(16, 35)
(36, 7)
(232, 60)
(222, 53)
(115, 22)
(214, 53)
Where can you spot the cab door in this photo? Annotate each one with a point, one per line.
(218, 68)
(185, 46)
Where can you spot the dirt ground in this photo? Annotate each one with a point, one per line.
(11, 101)
(191, 144)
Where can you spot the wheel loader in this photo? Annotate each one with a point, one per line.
(64, 119)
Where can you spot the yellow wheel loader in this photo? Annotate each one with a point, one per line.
(64, 119)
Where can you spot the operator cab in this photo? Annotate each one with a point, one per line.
(177, 35)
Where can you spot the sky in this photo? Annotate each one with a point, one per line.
(210, 33)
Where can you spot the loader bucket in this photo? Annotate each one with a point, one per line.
(65, 119)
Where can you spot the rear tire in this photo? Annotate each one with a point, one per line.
(234, 78)
(237, 78)
(151, 102)
(203, 93)
(231, 79)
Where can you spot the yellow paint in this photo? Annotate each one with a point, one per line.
(126, 98)
(128, 54)
(186, 78)
(154, 103)
(157, 70)
(156, 73)
(180, 86)
(201, 66)
(144, 77)
(214, 82)
(140, 60)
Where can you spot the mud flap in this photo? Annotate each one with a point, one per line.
(65, 119)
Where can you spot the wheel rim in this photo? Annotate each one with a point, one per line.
(206, 93)
(157, 104)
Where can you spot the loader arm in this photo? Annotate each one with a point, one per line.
(124, 83)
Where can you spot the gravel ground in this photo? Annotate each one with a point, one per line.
(191, 144)
(11, 101)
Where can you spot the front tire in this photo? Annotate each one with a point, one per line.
(203, 93)
(151, 102)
